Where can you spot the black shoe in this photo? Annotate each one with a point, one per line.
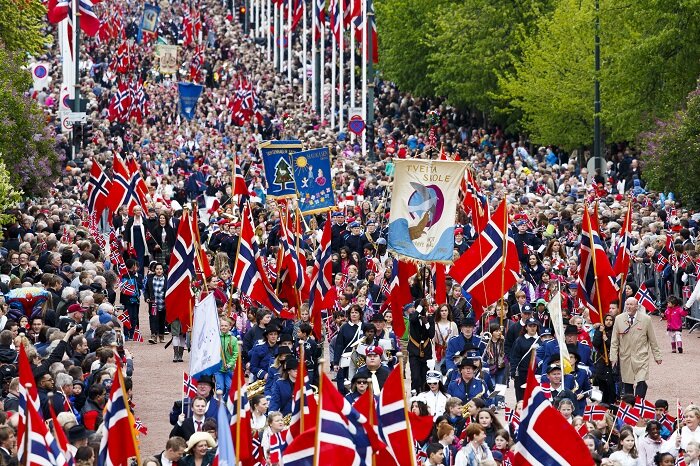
(680, 350)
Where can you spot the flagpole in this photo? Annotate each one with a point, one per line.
(304, 51)
(372, 407)
(314, 58)
(290, 7)
(76, 58)
(322, 71)
(409, 434)
(352, 65)
(341, 66)
(258, 18)
(297, 226)
(319, 407)
(303, 389)
(333, 74)
(275, 33)
(267, 27)
(182, 404)
(364, 77)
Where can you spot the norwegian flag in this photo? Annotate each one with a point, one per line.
(138, 425)
(137, 335)
(65, 236)
(335, 21)
(546, 437)
(297, 13)
(139, 102)
(512, 418)
(668, 422)
(681, 412)
(58, 10)
(598, 292)
(474, 202)
(623, 252)
(647, 409)
(697, 267)
(189, 386)
(187, 27)
(668, 247)
(115, 255)
(628, 414)
(687, 291)
(320, 17)
(128, 188)
(120, 103)
(28, 398)
(645, 298)
(304, 404)
(239, 186)
(360, 30)
(673, 261)
(196, 64)
(97, 188)
(42, 447)
(661, 262)
(124, 320)
(399, 294)
(179, 299)
(594, 412)
(393, 418)
(546, 390)
(321, 296)
(121, 63)
(680, 460)
(491, 265)
(249, 276)
(684, 260)
(582, 430)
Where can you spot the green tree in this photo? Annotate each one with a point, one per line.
(671, 153)
(21, 26)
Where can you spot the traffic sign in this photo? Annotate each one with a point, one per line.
(77, 117)
(356, 124)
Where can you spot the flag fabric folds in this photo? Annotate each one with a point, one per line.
(393, 419)
(645, 298)
(189, 386)
(545, 438)
(98, 187)
(239, 408)
(179, 299)
(119, 442)
(322, 280)
(490, 266)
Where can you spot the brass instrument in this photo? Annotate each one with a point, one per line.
(255, 388)
(486, 337)
(287, 419)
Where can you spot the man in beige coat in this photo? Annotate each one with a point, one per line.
(632, 338)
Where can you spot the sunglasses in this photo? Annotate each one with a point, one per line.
(361, 382)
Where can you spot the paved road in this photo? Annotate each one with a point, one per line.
(158, 381)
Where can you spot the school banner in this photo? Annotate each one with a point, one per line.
(278, 169)
(167, 58)
(312, 175)
(423, 207)
(189, 95)
(149, 20)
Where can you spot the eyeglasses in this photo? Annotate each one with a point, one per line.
(361, 382)
(432, 383)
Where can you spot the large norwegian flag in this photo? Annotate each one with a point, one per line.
(118, 436)
(545, 438)
(179, 300)
(595, 275)
(321, 296)
(58, 10)
(319, 17)
(238, 182)
(360, 31)
(400, 293)
(623, 248)
(249, 277)
(486, 270)
(98, 187)
(120, 103)
(292, 269)
(239, 410)
(125, 187)
(395, 425)
(42, 449)
(115, 254)
(366, 405)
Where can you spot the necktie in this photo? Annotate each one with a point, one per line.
(375, 382)
(199, 426)
(447, 456)
(631, 320)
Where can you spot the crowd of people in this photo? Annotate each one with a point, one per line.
(72, 312)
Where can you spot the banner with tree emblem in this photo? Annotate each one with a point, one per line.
(423, 207)
(312, 174)
(276, 156)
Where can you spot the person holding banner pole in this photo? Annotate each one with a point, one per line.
(290, 7)
(341, 67)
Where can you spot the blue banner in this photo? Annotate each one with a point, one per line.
(189, 95)
(149, 19)
(312, 174)
(276, 156)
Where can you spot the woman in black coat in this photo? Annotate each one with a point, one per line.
(603, 371)
(162, 240)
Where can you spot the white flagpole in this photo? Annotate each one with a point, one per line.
(258, 18)
(314, 75)
(290, 7)
(352, 66)
(275, 35)
(281, 37)
(322, 69)
(334, 51)
(304, 61)
(364, 76)
(341, 67)
(267, 28)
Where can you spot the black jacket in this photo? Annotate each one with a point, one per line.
(421, 332)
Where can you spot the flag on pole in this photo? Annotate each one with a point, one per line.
(322, 280)
(491, 265)
(28, 396)
(545, 437)
(595, 412)
(239, 408)
(205, 354)
(189, 386)
(304, 406)
(394, 421)
(225, 453)
(629, 414)
(623, 252)
(646, 409)
(645, 298)
(179, 299)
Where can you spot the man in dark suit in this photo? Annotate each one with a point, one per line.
(8, 441)
(373, 370)
(185, 427)
(421, 331)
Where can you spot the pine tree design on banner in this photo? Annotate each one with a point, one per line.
(283, 173)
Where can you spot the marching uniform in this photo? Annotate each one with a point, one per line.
(465, 391)
(282, 396)
(461, 344)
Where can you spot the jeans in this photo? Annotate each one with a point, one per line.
(223, 381)
(133, 310)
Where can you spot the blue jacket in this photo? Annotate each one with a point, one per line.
(467, 391)
(551, 348)
(282, 395)
(460, 344)
(273, 375)
(261, 358)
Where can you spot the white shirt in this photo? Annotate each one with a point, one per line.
(625, 459)
(687, 436)
(436, 402)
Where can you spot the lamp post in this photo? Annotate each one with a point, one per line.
(597, 143)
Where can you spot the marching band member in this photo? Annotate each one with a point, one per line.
(434, 397)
